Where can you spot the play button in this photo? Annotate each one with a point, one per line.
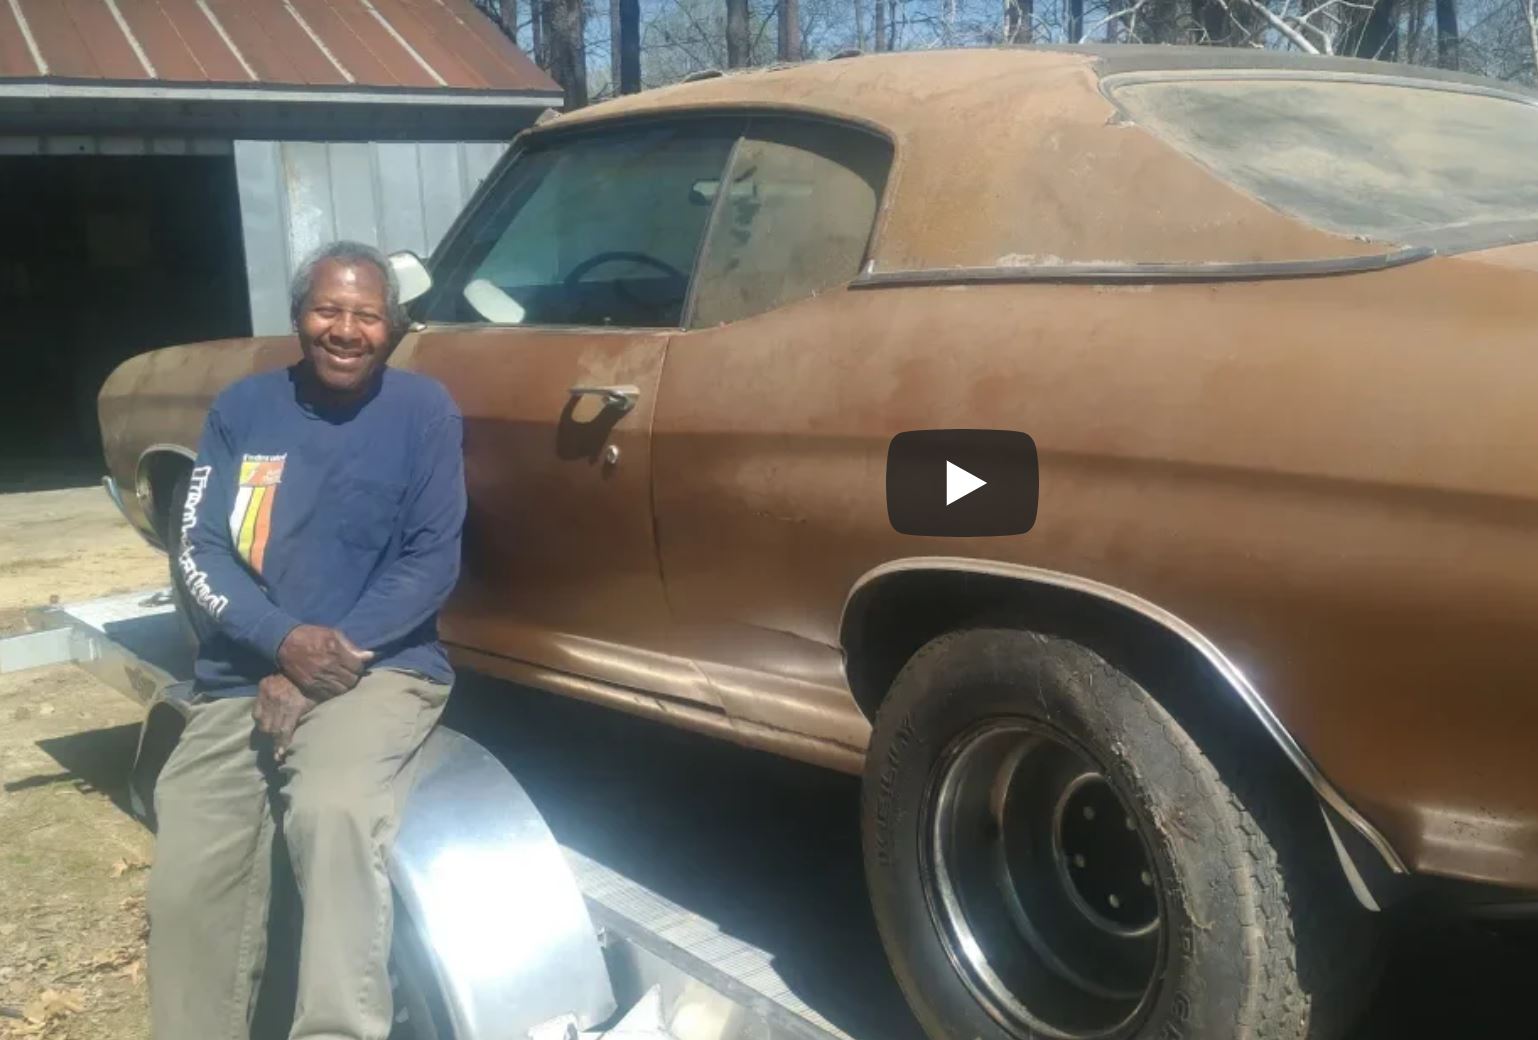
(961, 483)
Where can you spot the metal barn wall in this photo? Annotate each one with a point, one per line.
(298, 195)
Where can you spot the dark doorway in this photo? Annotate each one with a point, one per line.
(104, 257)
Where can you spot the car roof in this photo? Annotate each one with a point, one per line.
(1015, 157)
(884, 88)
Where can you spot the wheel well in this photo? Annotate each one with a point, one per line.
(890, 618)
(891, 615)
(158, 473)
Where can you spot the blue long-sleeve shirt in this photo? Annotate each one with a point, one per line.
(349, 519)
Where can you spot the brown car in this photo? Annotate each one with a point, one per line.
(1269, 644)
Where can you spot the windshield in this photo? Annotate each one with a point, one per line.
(1390, 162)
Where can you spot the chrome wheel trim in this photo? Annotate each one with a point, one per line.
(997, 866)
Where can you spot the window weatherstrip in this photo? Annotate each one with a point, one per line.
(717, 205)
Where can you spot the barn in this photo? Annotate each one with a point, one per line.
(165, 163)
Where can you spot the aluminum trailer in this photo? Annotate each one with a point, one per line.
(501, 933)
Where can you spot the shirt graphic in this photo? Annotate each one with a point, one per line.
(251, 519)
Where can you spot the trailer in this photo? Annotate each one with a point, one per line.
(502, 933)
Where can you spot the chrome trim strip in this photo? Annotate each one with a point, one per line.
(1226, 668)
(1138, 274)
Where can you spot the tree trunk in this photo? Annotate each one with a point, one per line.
(1530, 12)
(1017, 20)
(614, 58)
(1075, 20)
(1211, 21)
(508, 10)
(859, 24)
(629, 46)
(790, 30)
(1447, 33)
(537, 27)
(891, 26)
(568, 50)
(736, 33)
(1379, 34)
(879, 26)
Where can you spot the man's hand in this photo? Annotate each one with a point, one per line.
(279, 707)
(322, 662)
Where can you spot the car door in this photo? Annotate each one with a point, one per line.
(549, 321)
(751, 452)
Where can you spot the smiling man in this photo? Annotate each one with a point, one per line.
(320, 537)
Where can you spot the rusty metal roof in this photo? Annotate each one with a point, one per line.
(416, 46)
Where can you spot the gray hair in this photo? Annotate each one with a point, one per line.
(349, 253)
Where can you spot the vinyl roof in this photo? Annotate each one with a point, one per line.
(434, 47)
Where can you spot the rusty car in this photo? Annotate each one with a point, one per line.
(1257, 676)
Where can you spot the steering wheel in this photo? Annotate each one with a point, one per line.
(625, 256)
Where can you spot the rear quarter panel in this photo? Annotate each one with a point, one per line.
(161, 398)
(1334, 479)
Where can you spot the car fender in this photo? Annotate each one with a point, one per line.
(1337, 809)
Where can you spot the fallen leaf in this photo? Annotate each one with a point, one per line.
(46, 709)
(123, 866)
(134, 972)
(52, 1005)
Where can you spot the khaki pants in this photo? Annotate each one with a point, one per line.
(337, 797)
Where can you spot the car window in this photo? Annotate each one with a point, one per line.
(1384, 161)
(597, 230)
(800, 202)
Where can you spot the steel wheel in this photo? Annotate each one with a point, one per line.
(1040, 883)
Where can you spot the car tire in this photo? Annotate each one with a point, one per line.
(1050, 853)
(195, 624)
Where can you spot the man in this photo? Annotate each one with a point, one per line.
(320, 537)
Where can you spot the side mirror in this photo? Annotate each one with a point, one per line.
(412, 275)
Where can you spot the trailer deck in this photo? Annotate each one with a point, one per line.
(667, 961)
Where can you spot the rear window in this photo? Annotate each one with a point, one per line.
(1395, 163)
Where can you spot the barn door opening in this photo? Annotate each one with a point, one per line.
(105, 256)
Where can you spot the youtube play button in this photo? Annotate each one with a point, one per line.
(961, 483)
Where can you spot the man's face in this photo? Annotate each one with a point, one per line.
(343, 328)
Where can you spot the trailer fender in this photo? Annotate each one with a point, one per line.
(489, 898)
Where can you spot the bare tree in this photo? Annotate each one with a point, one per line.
(508, 12)
(1530, 14)
(859, 24)
(614, 47)
(629, 81)
(1447, 33)
(790, 30)
(1017, 20)
(737, 33)
(566, 42)
(879, 25)
(537, 26)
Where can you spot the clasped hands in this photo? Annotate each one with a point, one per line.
(315, 664)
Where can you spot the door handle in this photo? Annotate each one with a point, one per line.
(620, 398)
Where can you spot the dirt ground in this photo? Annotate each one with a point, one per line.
(73, 863)
(61, 546)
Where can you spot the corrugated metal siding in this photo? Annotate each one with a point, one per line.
(330, 44)
(298, 195)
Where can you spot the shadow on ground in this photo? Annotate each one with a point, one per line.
(92, 760)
